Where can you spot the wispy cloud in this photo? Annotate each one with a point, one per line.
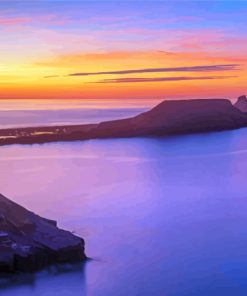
(51, 76)
(7, 21)
(204, 68)
(45, 20)
(160, 79)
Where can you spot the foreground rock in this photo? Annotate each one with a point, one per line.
(167, 118)
(29, 242)
(241, 104)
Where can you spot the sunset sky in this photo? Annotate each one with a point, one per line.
(122, 49)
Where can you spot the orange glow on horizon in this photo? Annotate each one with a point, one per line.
(54, 46)
(33, 84)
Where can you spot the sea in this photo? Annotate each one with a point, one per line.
(160, 216)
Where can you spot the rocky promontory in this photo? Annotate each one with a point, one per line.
(177, 117)
(167, 118)
(29, 242)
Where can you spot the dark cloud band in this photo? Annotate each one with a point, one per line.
(160, 79)
(210, 68)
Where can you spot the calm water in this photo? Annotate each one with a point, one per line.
(26, 118)
(23, 113)
(159, 216)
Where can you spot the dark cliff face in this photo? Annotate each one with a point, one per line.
(241, 104)
(29, 242)
(172, 117)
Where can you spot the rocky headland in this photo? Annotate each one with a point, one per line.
(167, 118)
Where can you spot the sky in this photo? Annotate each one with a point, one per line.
(122, 49)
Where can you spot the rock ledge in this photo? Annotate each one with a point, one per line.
(29, 242)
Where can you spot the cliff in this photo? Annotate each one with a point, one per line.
(29, 242)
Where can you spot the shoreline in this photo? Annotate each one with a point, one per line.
(50, 137)
(44, 134)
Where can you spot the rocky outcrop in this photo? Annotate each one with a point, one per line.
(167, 118)
(177, 117)
(241, 104)
(29, 242)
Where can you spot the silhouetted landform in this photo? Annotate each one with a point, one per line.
(29, 242)
(241, 104)
(167, 118)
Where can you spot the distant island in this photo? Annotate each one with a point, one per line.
(167, 118)
(29, 242)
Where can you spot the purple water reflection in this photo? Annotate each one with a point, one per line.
(160, 216)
